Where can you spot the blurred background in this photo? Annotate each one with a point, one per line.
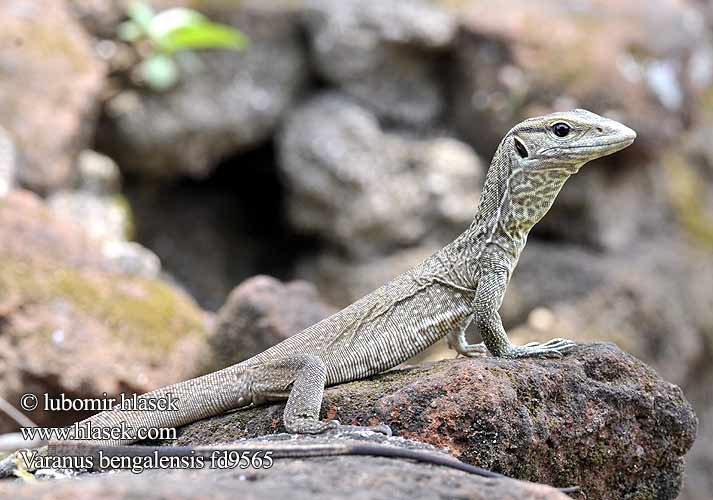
(340, 143)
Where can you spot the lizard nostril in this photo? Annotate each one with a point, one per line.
(600, 129)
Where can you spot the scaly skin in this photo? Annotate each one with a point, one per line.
(463, 282)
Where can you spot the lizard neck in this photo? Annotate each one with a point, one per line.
(495, 220)
(511, 203)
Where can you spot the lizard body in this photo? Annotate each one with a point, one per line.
(463, 282)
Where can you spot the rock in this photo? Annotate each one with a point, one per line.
(698, 482)
(99, 17)
(518, 58)
(50, 89)
(228, 102)
(261, 312)
(368, 190)
(105, 215)
(385, 54)
(597, 418)
(98, 174)
(103, 218)
(314, 478)
(70, 324)
(129, 257)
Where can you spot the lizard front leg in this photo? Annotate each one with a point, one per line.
(488, 298)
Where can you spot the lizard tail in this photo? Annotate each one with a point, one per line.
(167, 407)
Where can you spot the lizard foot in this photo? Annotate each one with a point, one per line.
(380, 428)
(554, 348)
(473, 350)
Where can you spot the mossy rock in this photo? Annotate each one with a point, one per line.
(147, 313)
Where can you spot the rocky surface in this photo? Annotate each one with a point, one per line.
(49, 92)
(188, 129)
(368, 190)
(261, 312)
(598, 418)
(385, 54)
(338, 477)
(69, 324)
(98, 206)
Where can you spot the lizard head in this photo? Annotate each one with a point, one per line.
(539, 154)
(565, 141)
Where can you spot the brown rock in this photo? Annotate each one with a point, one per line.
(261, 312)
(597, 418)
(70, 325)
(368, 189)
(384, 53)
(49, 89)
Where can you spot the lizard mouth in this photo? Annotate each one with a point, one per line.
(612, 146)
(586, 152)
(606, 146)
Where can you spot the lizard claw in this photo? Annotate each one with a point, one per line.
(555, 348)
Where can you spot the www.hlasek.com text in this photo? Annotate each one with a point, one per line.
(87, 432)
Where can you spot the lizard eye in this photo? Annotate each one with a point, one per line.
(560, 129)
(521, 149)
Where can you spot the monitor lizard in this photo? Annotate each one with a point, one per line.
(462, 283)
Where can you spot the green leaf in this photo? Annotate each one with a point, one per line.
(159, 71)
(129, 31)
(168, 20)
(141, 13)
(203, 36)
